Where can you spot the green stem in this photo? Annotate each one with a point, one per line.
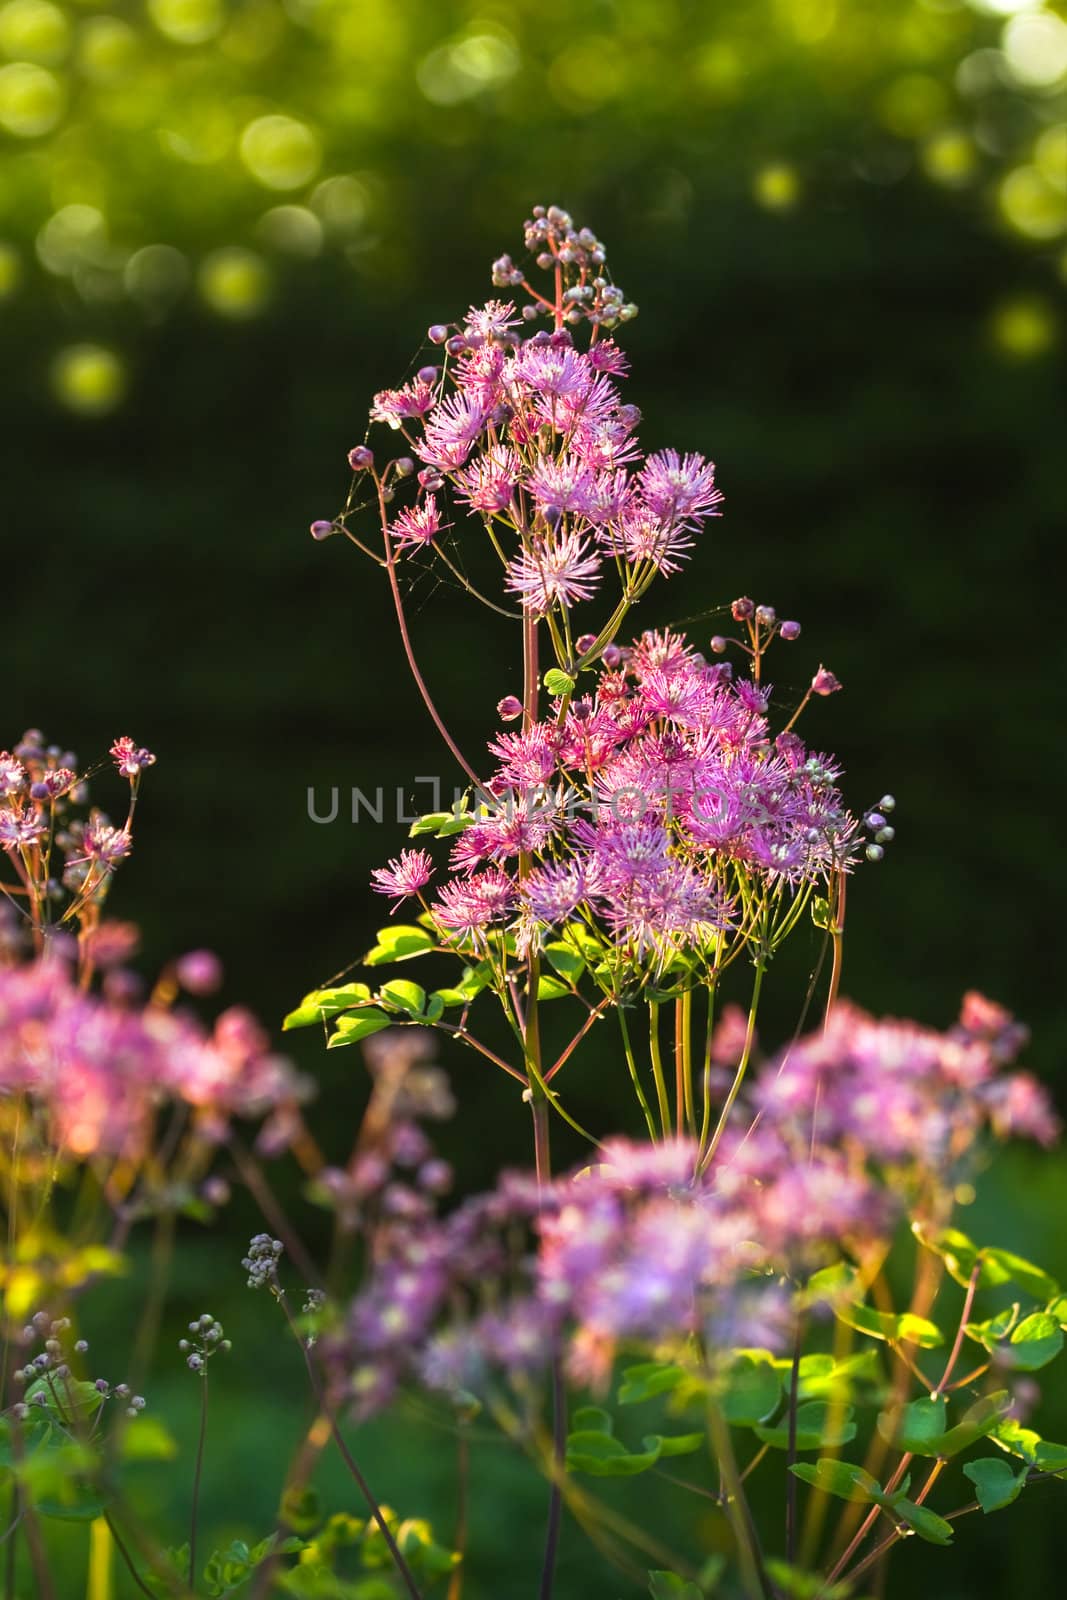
(742, 1067)
(657, 1067)
(753, 1576)
(196, 1479)
(631, 1062)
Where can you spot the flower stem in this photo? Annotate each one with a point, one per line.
(346, 1455)
(742, 1067)
(196, 1479)
(631, 1062)
(657, 1067)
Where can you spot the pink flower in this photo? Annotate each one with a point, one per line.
(417, 526)
(824, 682)
(130, 760)
(404, 875)
(554, 574)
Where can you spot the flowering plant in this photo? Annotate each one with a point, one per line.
(649, 831)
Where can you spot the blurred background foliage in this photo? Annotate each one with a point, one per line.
(224, 225)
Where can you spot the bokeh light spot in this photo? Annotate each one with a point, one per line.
(10, 270)
(89, 378)
(235, 282)
(292, 229)
(280, 152)
(1035, 48)
(587, 74)
(156, 276)
(342, 204)
(1024, 327)
(187, 21)
(459, 71)
(1032, 205)
(1050, 156)
(776, 186)
(107, 49)
(949, 157)
(32, 100)
(913, 105)
(72, 236)
(34, 30)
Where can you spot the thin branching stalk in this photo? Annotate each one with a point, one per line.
(345, 1453)
(198, 1470)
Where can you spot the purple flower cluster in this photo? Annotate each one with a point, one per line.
(44, 816)
(645, 809)
(534, 436)
(96, 1069)
(653, 1244)
(907, 1095)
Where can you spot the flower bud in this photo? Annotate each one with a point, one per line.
(428, 374)
(875, 852)
(824, 682)
(361, 458)
(790, 630)
(509, 709)
(322, 530)
(437, 333)
(718, 644)
(766, 616)
(743, 609)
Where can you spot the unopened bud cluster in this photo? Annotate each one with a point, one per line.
(50, 1374)
(261, 1262)
(876, 821)
(208, 1338)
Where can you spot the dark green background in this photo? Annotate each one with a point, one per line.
(892, 479)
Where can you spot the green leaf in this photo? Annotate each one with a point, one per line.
(813, 1428)
(916, 1425)
(796, 1584)
(322, 1004)
(1035, 1280)
(751, 1391)
(550, 988)
(926, 1523)
(351, 1029)
(836, 1286)
(430, 823)
(81, 1507)
(601, 1455)
(148, 1440)
(1024, 1442)
(678, 1444)
(400, 942)
(1036, 1341)
(566, 960)
(961, 1255)
(981, 1419)
(920, 1426)
(995, 1484)
(592, 1419)
(1058, 1308)
(821, 914)
(669, 1586)
(648, 1379)
(827, 1379)
(558, 682)
(841, 1478)
(67, 1399)
(990, 1332)
(435, 1008)
(405, 995)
